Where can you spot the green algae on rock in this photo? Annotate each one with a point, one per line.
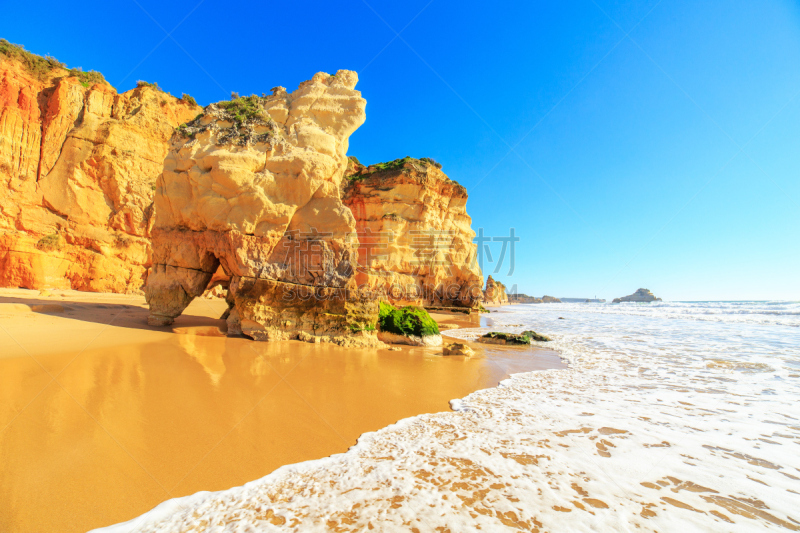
(498, 337)
(407, 321)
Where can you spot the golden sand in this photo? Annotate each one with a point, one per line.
(102, 417)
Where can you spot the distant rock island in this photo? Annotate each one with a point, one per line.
(642, 295)
(520, 298)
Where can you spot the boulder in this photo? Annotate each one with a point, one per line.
(496, 337)
(457, 348)
(532, 335)
(408, 325)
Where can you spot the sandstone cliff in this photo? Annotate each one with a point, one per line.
(415, 239)
(78, 164)
(253, 186)
(642, 295)
(494, 293)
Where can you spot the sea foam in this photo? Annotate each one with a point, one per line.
(670, 415)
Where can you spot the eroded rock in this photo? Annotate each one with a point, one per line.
(78, 165)
(252, 186)
(458, 348)
(415, 237)
(495, 292)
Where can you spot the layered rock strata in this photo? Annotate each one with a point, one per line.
(414, 233)
(253, 186)
(641, 295)
(494, 293)
(78, 165)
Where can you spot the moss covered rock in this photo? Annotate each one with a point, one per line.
(496, 337)
(532, 335)
(406, 321)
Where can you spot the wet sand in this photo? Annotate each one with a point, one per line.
(102, 417)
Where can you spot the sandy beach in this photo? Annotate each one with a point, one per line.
(103, 417)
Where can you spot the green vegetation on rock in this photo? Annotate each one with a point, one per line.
(397, 164)
(406, 321)
(188, 99)
(50, 243)
(430, 161)
(142, 83)
(244, 109)
(510, 338)
(41, 67)
(87, 78)
(357, 328)
(532, 335)
(517, 338)
(37, 65)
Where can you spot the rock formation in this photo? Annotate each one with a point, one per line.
(458, 348)
(550, 300)
(78, 165)
(642, 295)
(409, 325)
(494, 293)
(415, 237)
(253, 186)
(520, 298)
(105, 191)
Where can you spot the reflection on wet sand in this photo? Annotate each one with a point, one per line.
(140, 415)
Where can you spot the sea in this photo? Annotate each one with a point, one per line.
(671, 416)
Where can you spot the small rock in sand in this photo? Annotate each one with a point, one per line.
(448, 325)
(457, 348)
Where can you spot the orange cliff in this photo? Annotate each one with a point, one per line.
(79, 164)
(415, 234)
(101, 190)
(495, 292)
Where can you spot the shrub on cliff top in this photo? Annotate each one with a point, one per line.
(41, 67)
(406, 321)
(244, 109)
(430, 161)
(397, 164)
(188, 99)
(142, 83)
(87, 78)
(37, 65)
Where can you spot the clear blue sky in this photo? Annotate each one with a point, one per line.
(655, 144)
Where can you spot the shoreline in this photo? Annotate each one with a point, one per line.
(653, 426)
(143, 407)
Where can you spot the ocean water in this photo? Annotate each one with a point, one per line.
(671, 416)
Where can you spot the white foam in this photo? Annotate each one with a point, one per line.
(671, 415)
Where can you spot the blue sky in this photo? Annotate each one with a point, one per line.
(648, 144)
